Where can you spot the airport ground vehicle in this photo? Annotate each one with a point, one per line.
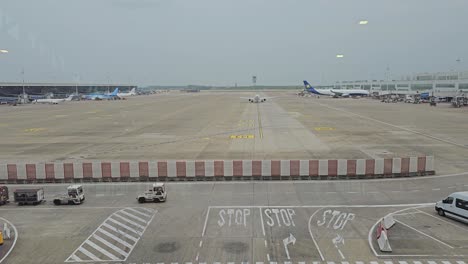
(29, 196)
(75, 195)
(157, 193)
(455, 206)
(409, 99)
(4, 197)
(459, 101)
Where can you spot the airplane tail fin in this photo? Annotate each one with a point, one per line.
(69, 98)
(115, 92)
(133, 91)
(309, 87)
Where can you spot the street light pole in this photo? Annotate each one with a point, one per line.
(24, 90)
(458, 68)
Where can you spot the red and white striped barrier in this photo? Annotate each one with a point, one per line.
(382, 238)
(206, 169)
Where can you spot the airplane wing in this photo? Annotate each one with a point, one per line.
(245, 97)
(339, 93)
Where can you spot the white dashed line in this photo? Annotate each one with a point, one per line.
(436, 189)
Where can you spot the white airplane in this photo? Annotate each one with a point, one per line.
(53, 101)
(131, 93)
(335, 93)
(257, 99)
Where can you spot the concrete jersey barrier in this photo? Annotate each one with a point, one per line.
(214, 169)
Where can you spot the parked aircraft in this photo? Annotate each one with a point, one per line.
(335, 93)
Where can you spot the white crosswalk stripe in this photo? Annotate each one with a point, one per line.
(89, 254)
(116, 237)
(140, 213)
(116, 230)
(151, 211)
(75, 258)
(133, 216)
(100, 249)
(128, 221)
(105, 242)
(125, 226)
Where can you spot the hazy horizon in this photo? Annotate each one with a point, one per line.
(224, 42)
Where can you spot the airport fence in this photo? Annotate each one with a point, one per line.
(205, 170)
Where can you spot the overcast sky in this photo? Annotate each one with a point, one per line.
(221, 42)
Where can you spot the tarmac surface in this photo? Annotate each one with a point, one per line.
(221, 125)
(243, 222)
(290, 222)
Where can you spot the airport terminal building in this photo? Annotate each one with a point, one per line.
(440, 84)
(12, 89)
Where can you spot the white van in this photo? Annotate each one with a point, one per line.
(455, 206)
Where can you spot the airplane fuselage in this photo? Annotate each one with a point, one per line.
(257, 99)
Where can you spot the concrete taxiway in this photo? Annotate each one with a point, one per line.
(220, 125)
